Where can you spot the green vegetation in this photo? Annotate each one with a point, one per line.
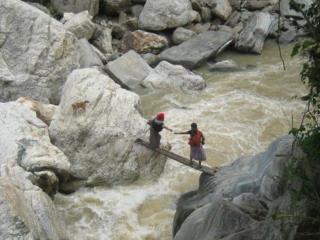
(302, 175)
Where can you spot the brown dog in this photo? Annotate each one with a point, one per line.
(79, 106)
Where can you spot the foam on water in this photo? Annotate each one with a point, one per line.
(240, 113)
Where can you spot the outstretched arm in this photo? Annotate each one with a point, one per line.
(187, 132)
(169, 129)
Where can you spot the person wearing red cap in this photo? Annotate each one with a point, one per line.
(156, 126)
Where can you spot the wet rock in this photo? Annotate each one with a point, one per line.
(31, 205)
(130, 69)
(221, 9)
(252, 37)
(233, 19)
(150, 58)
(288, 36)
(288, 12)
(88, 57)
(77, 6)
(103, 40)
(197, 50)
(43, 111)
(228, 66)
(162, 14)
(199, 27)
(257, 175)
(143, 42)
(181, 35)
(81, 25)
(114, 7)
(36, 53)
(99, 140)
(216, 220)
(168, 76)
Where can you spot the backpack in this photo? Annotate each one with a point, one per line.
(195, 141)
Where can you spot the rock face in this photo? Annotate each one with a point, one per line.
(26, 137)
(44, 112)
(99, 139)
(88, 57)
(81, 25)
(36, 53)
(129, 70)
(143, 42)
(76, 6)
(181, 35)
(239, 202)
(169, 76)
(256, 29)
(288, 12)
(162, 14)
(198, 49)
(25, 152)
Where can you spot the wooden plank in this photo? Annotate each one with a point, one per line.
(178, 158)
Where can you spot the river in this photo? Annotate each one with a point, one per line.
(240, 113)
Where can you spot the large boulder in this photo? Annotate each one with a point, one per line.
(221, 9)
(31, 168)
(36, 53)
(76, 6)
(162, 14)
(81, 25)
(252, 37)
(26, 137)
(88, 56)
(143, 42)
(129, 70)
(250, 189)
(43, 111)
(259, 4)
(98, 137)
(198, 49)
(181, 35)
(168, 76)
(287, 11)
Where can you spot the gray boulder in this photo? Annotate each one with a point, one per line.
(181, 35)
(162, 14)
(221, 9)
(88, 56)
(198, 49)
(252, 37)
(143, 42)
(259, 4)
(130, 69)
(288, 36)
(36, 55)
(99, 138)
(168, 76)
(26, 137)
(252, 183)
(103, 40)
(224, 66)
(76, 6)
(81, 25)
(286, 11)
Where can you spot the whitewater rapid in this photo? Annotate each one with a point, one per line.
(240, 113)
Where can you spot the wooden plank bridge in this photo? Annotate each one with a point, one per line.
(178, 158)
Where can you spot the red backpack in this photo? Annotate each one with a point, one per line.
(196, 139)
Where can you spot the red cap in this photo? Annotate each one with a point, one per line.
(160, 116)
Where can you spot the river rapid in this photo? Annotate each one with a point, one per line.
(240, 113)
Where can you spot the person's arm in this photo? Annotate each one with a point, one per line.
(169, 129)
(203, 139)
(187, 132)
